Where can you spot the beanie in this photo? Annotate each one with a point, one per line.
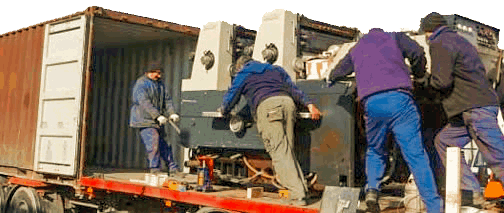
(154, 66)
(431, 22)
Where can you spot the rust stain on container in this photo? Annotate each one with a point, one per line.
(20, 64)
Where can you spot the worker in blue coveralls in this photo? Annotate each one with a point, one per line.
(469, 101)
(152, 105)
(384, 87)
(272, 98)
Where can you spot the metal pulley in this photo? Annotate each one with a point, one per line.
(236, 123)
(270, 53)
(208, 59)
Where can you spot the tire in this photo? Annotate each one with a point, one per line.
(24, 200)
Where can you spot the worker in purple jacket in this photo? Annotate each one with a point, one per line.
(470, 102)
(384, 87)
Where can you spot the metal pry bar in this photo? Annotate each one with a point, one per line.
(219, 115)
(174, 126)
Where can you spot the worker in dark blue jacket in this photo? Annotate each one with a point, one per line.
(272, 98)
(385, 88)
(151, 104)
(468, 99)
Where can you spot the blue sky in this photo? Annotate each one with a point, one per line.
(389, 15)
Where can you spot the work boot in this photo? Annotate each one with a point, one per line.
(480, 202)
(472, 199)
(372, 200)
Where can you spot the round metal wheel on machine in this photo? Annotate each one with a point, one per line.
(24, 200)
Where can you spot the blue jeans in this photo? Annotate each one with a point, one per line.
(480, 125)
(156, 147)
(397, 113)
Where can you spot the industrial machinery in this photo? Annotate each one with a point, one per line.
(332, 148)
(294, 42)
(67, 147)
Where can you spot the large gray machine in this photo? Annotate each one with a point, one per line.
(298, 44)
(334, 147)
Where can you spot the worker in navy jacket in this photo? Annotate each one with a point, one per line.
(272, 98)
(470, 102)
(385, 88)
(151, 106)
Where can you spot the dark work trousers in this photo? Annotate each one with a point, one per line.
(397, 112)
(480, 125)
(276, 117)
(156, 147)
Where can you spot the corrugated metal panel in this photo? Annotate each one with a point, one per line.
(20, 61)
(123, 17)
(111, 143)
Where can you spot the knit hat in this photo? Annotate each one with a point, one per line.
(154, 66)
(431, 22)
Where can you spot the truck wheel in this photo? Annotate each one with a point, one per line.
(24, 200)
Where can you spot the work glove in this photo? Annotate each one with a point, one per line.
(162, 120)
(175, 118)
(221, 110)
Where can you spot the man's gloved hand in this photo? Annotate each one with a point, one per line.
(221, 110)
(162, 120)
(175, 118)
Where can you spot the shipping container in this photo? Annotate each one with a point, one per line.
(66, 88)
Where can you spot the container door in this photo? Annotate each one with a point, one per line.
(60, 97)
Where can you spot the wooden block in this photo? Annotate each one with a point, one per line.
(254, 192)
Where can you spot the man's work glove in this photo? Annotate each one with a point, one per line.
(175, 118)
(162, 120)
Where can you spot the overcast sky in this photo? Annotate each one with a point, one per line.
(392, 15)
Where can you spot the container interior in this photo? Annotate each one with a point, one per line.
(121, 52)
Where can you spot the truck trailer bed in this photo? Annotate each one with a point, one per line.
(232, 198)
